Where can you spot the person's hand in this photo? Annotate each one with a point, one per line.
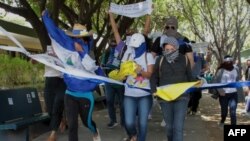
(222, 93)
(138, 68)
(44, 12)
(78, 47)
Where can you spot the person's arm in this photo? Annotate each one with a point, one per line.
(190, 57)
(217, 78)
(147, 25)
(154, 79)
(114, 28)
(189, 70)
(156, 47)
(145, 74)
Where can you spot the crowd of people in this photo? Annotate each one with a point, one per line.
(168, 60)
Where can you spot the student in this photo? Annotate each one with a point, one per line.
(228, 97)
(79, 98)
(137, 100)
(54, 96)
(170, 68)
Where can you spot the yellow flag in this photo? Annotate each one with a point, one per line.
(126, 68)
(173, 91)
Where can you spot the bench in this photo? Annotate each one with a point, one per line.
(19, 109)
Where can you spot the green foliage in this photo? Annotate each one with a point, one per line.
(16, 71)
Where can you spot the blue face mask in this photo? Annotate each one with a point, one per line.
(140, 50)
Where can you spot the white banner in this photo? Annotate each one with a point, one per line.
(132, 10)
(200, 47)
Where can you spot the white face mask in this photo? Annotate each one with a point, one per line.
(128, 39)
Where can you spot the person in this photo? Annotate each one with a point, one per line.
(54, 96)
(170, 29)
(114, 91)
(228, 97)
(198, 71)
(138, 100)
(122, 48)
(170, 68)
(75, 44)
(247, 97)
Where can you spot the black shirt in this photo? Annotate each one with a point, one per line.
(183, 46)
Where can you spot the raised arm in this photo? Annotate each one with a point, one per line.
(147, 25)
(114, 28)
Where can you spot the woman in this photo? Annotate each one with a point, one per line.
(138, 100)
(228, 97)
(172, 67)
(73, 51)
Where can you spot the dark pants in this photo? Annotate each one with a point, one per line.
(84, 107)
(54, 99)
(113, 92)
(231, 100)
(194, 100)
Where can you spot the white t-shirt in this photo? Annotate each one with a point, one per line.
(50, 72)
(139, 82)
(227, 77)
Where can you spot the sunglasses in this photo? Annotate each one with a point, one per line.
(170, 27)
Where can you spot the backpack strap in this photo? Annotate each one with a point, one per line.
(186, 60)
(161, 60)
(128, 57)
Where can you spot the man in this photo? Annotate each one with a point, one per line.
(170, 29)
(113, 91)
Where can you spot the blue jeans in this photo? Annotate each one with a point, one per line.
(113, 92)
(139, 106)
(174, 113)
(230, 100)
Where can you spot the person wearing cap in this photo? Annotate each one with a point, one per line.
(170, 68)
(72, 47)
(138, 99)
(228, 97)
(122, 47)
(170, 29)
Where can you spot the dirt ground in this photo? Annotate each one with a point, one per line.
(210, 114)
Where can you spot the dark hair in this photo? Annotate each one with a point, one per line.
(227, 56)
(148, 42)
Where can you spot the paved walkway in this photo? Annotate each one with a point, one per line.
(194, 129)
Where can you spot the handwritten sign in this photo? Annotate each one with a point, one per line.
(132, 10)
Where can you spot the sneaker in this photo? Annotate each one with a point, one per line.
(126, 139)
(97, 137)
(247, 114)
(150, 117)
(221, 124)
(112, 125)
(163, 123)
(193, 113)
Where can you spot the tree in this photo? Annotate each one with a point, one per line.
(66, 12)
(222, 23)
